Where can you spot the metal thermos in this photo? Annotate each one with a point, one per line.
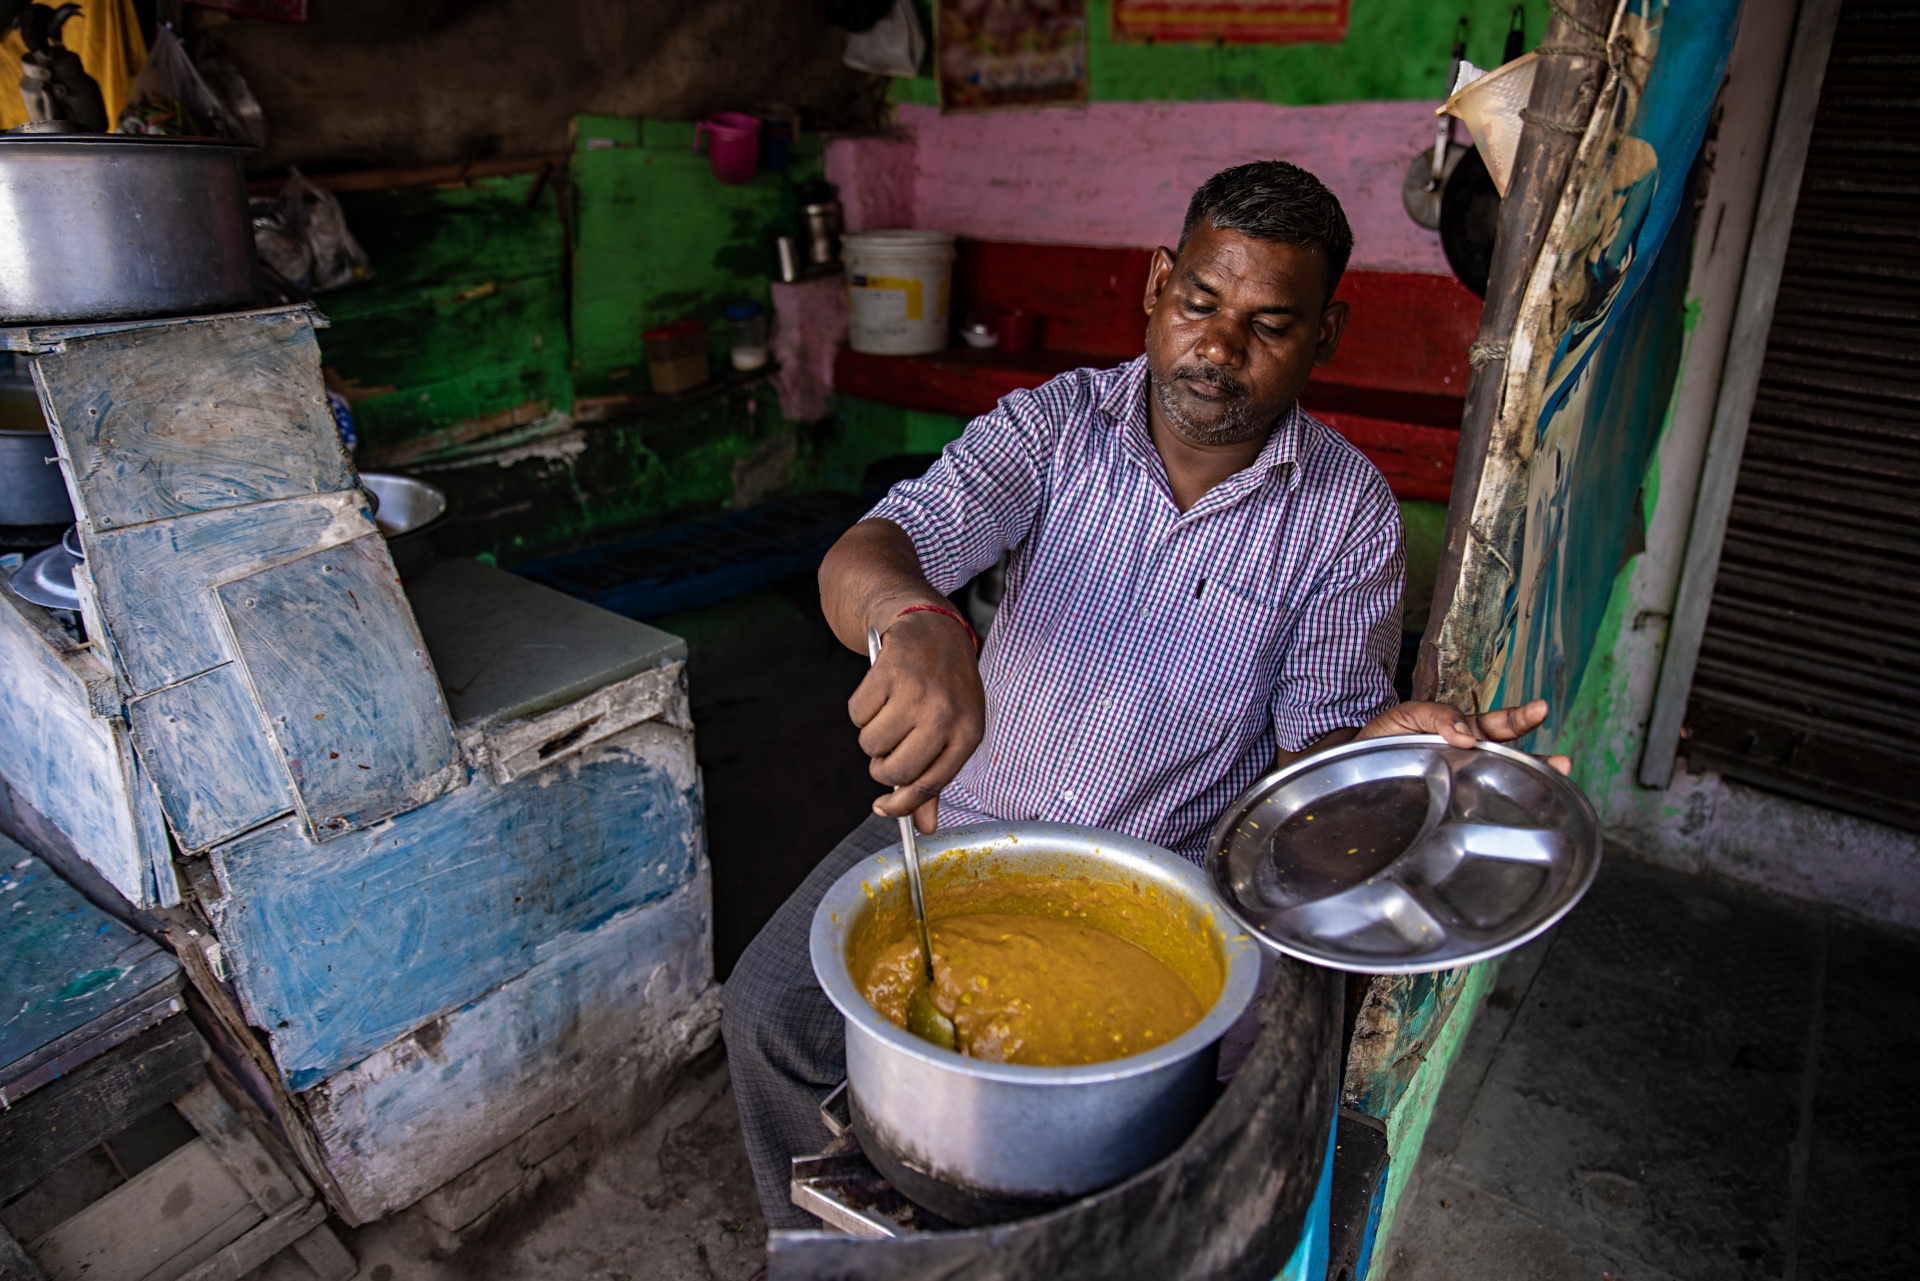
(823, 233)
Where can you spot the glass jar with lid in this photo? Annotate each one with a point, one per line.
(747, 334)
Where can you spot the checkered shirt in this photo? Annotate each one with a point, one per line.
(1146, 663)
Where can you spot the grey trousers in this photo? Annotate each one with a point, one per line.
(786, 1044)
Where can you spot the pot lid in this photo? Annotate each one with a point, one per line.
(37, 132)
(1405, 855)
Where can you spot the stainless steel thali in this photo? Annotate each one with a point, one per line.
(1405, 855)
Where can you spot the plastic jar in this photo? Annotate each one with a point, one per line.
(676, 356)
(898, 284)
(747, 335)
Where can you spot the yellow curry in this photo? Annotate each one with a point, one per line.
(1047, 971)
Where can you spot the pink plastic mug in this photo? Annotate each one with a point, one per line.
(735, 149)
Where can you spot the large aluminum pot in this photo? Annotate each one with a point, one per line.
(112, 227)
(978, 1141)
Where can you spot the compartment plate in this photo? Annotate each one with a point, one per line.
(1404, 855)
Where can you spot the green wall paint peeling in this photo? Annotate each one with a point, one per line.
(657, 239)
(464, 318)
(1395, 49)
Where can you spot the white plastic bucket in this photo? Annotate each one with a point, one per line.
(898, 286)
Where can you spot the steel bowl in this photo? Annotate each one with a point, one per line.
(110, 226)
(1405, 855)
(46, 578)
(401, 504)
(979, 1142)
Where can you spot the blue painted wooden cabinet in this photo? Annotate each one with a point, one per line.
(442, 846)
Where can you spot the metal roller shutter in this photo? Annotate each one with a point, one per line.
(1809, 674)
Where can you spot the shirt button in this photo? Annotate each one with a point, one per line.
(1106, 704)
(1067, 795)
(1143, 611)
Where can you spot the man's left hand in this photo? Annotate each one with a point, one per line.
(1463, 729)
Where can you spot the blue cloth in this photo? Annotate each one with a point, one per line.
(1146, 663)
(1310, 1257)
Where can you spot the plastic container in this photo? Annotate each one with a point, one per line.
(734, 145)
(746, 336)
(776, 144)
(1018, 331)
(676, 356)
(898, 285)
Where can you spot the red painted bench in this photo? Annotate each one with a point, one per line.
(1395, 390)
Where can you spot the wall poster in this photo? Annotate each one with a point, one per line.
(1231, 21)
(1001, 55)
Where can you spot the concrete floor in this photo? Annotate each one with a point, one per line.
(1685, 1080)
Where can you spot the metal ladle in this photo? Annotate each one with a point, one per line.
(924, 1019)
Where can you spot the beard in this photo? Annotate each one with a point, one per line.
(1238, 421)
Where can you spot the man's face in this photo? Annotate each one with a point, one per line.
(1234, 327)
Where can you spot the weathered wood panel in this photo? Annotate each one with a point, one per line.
(610, 1013)
(14, 1263)
(208, 752)
(329, 647)
(64, 964)
(151, 580)
(338, 949)
(162, 421)
(63, 760)
(185, 1207)
(245, 1157)
(260, 1244)
(518, 748)
(55, 1124)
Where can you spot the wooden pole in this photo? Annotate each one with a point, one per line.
(1573, 65)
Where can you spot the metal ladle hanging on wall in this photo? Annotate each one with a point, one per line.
(1428, 171)
(1429, 174)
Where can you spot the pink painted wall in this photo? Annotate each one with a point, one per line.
(1120, 173)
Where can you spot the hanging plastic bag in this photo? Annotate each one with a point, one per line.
(240, 111)
(169, 98)
(893, 46)
(280, 247)
(317, 218)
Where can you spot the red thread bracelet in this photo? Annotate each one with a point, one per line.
(935, 609)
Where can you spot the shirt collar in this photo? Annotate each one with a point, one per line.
(1126, 404)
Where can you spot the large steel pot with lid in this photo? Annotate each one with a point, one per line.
(115, 227)
(979, 1142)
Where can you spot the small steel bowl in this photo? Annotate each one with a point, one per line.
(976, 1141)
(401, 504)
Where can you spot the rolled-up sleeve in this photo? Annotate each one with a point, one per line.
(1338, 670)
(981, 498)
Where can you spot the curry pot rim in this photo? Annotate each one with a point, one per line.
(848, 897)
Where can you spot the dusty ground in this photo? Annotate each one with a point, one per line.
(672, 1202)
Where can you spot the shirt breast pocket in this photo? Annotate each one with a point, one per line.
(1223, 659)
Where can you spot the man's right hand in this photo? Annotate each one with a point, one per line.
(921, 710)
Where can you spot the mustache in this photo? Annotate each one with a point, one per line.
(1213, 377)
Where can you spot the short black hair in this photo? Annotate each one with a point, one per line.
(1274, 200)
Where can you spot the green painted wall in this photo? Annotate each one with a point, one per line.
(464, 317)
(657, 239)
(1394, 49)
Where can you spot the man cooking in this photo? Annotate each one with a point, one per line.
(1204, 582)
